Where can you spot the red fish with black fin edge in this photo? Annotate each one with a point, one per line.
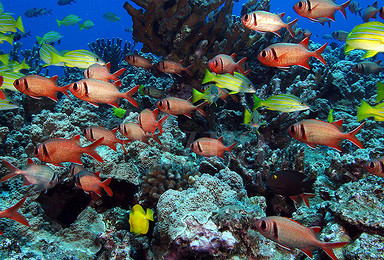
(223, 63)
(291, 234)
(135, 133)
(2, 95)
(59, 150)
(103, 73)
(285, 55)
(42, 176)
(94, 133)
(177, 106)
(262, 21)
(139, 61)
(173, 67)
(12, 213)
(314, 9)
(91, 183)
(96, 91)
(148, 121)
(37, 86)
(209, 147)
(315, 132)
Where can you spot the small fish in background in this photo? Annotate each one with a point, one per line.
(12, 213)
(223, 93)
(74, 168)
(129, 29)
(96, 91)
(370, 12)
(69, 20)
(81, 59)
(290, 183)
(368, 67)
(134, 132)
(139, 61)
(314, 9)
(315, 132)
(35, 12)
(376, 167)
(290, 234)
(330, 116)
(340, 35)
(91, 183)
(37, 86)
(119, 112)
(9, 78)
(253, 120)
(88, 24)
(177, 106)
(59, 150)
(148, 121)
(365, 110)
(152, 92)
(211, 95)
(355, 8)
(103, 73)
(284, 103)
(19, 35)
(42, 176)
(235, 84)
(262, 21)
(16, 66)
(285, 55)
(327, 37)
(8, 23)
(361, 38)
(94, 133)
(49, 38)
(111, 17)
(7, 38)
(65, 2)
(223, 63)
(173, 67)
(209, 147)
(139, 220)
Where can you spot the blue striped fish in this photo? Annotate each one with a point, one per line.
(9, 77)
(6, 104)
(365, 110)
(284, 103)
(49, 37)
(367, 36)
(236, 83)
(69, 20)
(8, 23)
(45, 52)
(7, 38)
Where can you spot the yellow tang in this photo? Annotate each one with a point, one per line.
(139, 220)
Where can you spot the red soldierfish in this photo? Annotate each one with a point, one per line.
(173, 67)
(94, 133)
(59, 150)
(285, 55)
(103, 73)
(177, 106)
(262, 21)
(40, 175)
(13, 214)
(148, 121)
(376, 167)
(37, 86)
(96, 91)
(211, 147)
(223, 63)
(90, 182)
(291, 234)
(315, 132)
(2, 95)
(135, 133)
(139, 61)
(314, 9)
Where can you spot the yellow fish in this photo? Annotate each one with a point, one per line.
(139, 220)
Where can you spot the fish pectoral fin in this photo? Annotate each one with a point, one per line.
(369, 54)
(295, 198)
(285, 247)
(313, 146)
(93, 104)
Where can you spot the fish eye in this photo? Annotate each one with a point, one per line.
(36, 151)
(75, 87)
(161, 103)
(216, 63)
(246, 17)
(17, 83)
(264, 54)
(263, 225)
(371, 165)
(300, 4)
(292, 129)
(85, 131)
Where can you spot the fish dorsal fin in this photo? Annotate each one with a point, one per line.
(315, 230)
(338, 124)
(155, 112)
(378, 62)
(108, 65)
(233, 55)
(54, 78)
(374, 4)
(220, 139)
(305, 42)
(76, 139)
(97, 174)
(282, 15)
(114, 130)
(30, 162)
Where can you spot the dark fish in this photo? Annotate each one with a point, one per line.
(65, 2)
(35, 12)
(290, 183)
(355, 8)
(153, 92)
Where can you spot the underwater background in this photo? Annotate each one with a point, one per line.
(204, 207)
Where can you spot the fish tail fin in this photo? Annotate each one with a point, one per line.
(40, 40)
(342, 8)
(19, 24)
(156, 138)
(289, 27)
(351, 136)
(328, 248)
(91, 149)
(4, 58)
(229, 148)
(258, 102)
(55, 57)
(13, 173)
(159, 124)
(305, 197)
(10, 38)
(115, 76)
(364, 111)
(209, 77)
(81, 26)
(64, 90)
(128, 95)
(247, 117)
(380, 92)
(196, 95)
(201, 111)
(13, 214)
(240, 64)
(59, 23)
(149, 215)
(188, 69)
(317, 54)
(105, 186)
(2, 95)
